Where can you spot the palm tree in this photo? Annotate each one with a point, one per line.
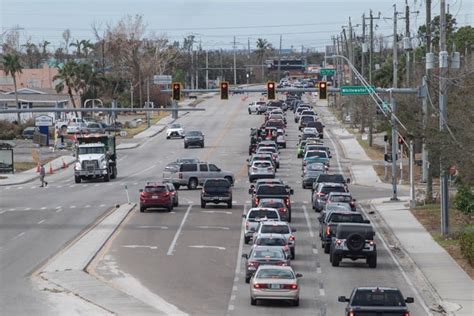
(78, 45)
(12, 66)
(86, 46)
(262, 46)
(67, 76)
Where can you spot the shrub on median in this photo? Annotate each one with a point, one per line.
(464, 200)
(466, 241)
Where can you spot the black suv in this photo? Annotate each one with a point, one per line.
(194, 138)
(353, 241)
(330, 221)
(216, 191)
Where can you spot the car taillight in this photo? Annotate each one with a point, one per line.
(351, 314)
(142, 195)
(254, 168)
(270, 169)
(180, 175)
(283, 210)
(281, 264)
(253, 264)
(371, 242)
(290, 286)
(167, 194)
(260, 286)
(287, 201)
(292, 237)
(407, 313)
(257, 201)
(339, 241)
(328, 230)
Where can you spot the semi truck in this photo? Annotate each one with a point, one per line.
(96, 158)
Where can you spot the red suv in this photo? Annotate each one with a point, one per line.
(156, 195)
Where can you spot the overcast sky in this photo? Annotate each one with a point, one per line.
(310, 23)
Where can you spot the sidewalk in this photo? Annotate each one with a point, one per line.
(453, 286)
(30, 175)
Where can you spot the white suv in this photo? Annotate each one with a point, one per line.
(175, 130)
(278, 227)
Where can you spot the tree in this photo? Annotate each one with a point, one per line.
(67, 77)
(78, 45)
(464, 39)
(12, 67)
(435, 31)
(262, 47)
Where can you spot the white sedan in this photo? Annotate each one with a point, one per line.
(272, 282)
(175, 130)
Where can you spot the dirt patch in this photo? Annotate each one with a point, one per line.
(429, 216)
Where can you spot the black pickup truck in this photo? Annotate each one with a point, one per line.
(329, 222)
(376, 301)
(332, 178)
(272, 191)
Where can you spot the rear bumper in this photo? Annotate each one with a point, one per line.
(362, 254)
(274, 294)
(159, 204)
(216, 199)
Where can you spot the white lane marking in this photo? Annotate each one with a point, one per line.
(207, 247)
(59, 210)
(318, 270)
(27, 208)
(217, 212)
(72, 186)
(1, 212)
(20, 188)
(231, 307)
(337, 153)
(11, 210)
(140, 246)
(43, 208)
(322, 292)
(214, 227)
(405, 276)
(102, 205)
(34, 187)
(58, 207)
(41, 221)
(87, 206)
(19, 235)
(315, 251)
(96, 185)
(7, 188)
(73, 206)
(308, 222)
(160, 227)
(173, 243)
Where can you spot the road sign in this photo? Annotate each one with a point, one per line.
(43, 120)
(327, 71)
(162, 79)
(347, 90)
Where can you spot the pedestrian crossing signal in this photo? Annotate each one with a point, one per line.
(176, 91)
(224, 90)
(271, 90)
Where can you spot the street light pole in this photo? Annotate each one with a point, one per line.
(394, 106)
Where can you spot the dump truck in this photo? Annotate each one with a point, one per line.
(96, 158)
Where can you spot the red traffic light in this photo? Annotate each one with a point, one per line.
(224, 90)
(176, 95)
(270, 85)
(322, 85)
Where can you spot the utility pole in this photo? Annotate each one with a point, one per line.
(351, 58)
(407, 36)
(131, 94)
(148, 100)
(443, 70)
(222, 67)
(394, 106)
(197, 71)
(279, 60)
(235, 64)
(207, 69)
(362, 70)
(371, 46)
(426, 174)
(248, 60)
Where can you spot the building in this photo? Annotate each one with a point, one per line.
(30, 78)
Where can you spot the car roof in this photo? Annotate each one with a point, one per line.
(275, 223)
(377, 287)
(265, 209)
(340, 193)
(271, 235)
(155, 184)
(271, 200)
(332, 184)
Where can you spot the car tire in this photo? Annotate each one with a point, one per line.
(293, 254)
(203, 204)
(142, 209)
(77, 179)
(289, 216)
(229, 204)
(192, 184)
(176, 203)
(185, 146)
(253, 301)
(372, 261)
(247, 279)
(335, 261)
(284, 146)
(202, 145)
(246, 240)
(296, 302)
(326, 247)
(107, 178)
(176, 186)
(167, 137)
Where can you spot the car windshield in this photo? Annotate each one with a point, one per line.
(312, 174)
(378, 298)
(217, 183)
(272, 204)
(268, 241)
(327, 189)
(343, 218)
(335, 178)
(257, 214)
(341, 198)
(307, 118)
(272, 190)
(194, 133)
(270, 254)
(275, 274)
(91, 150)
(267, 149)
(275, 229)
(261, 164)
(155, 189)
(319, 154)
(176, 126)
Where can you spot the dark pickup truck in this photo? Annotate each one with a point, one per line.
(376, 301)
(272, 191)
(332, 178)
(330, 220)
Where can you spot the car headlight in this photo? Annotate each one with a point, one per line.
(103, 164)
(78, 166)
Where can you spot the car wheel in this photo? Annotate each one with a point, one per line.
(77, 179)
(296, 302)
(203, 204)
(284, 146)
(107, 178)
(202, 145)
(192, 184)
(246, 240)
(372, 261)
(176, 186)
(142, 209)
(185, 146)
(247, 279)
(335, 261)
(326, 248)
(293, 254)
(253, 301)
(229, 204)
(167, 137)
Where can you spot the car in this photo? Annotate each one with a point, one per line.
(275, 181)
(261, 169)
(332, 178)
(257, 107)
(268, 143)
(194, 138)
(319, 127)
(376, 301)
(270, 150)
(322, 191)
(304, 119)
(278, 204)
(310, 130)
(262, 255)
(277, 116)
(261, 157)
(329, 220)
(29, 132)
(273, 240)
(277, 123)
(309, 177)
(281, 141)
(353, 241)
(155, 195)
(175, 130)
(315, 166)
(315, 146)
(174, 194)
(268, 133)
(193, 174)
(273, 191)
(253, 216)
(216, 191)
(93, 127)
(275, 283)
(315, 156)
(341, 197)
(278, 227)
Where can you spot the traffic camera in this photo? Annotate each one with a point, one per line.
(271, 90)
(323, 90)
(224, 90)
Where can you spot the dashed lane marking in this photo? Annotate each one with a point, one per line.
(43, 208)
(87, 206)
(59, 210)
(19, 235)
(41, 221)
(310, 229)
(72, 206)
(102, 205)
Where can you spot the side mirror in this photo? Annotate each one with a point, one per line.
(330, 156)
(246, 256)
(244, 215)
(141, 190)
(342, 299)
(299, 275)
(292, 191)
(250, 191)
(348, 180)
(409, 300)
(248, 160)
(293, 230)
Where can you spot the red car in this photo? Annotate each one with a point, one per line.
(156, 195)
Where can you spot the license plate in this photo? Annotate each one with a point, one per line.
(154, 196)
(274, 286)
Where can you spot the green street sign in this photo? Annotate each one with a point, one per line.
(327, 72)
(347, 90)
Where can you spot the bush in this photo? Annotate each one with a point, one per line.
(464, 200)
(466, 241)
(9, 130)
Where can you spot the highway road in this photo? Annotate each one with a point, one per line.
(191, 257)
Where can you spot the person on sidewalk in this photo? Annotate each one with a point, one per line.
(42, 175)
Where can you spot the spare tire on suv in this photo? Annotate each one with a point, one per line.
(355, 242)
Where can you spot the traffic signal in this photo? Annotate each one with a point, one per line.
(271, 90)
(323, 90)
(176, 91)
(224, 90)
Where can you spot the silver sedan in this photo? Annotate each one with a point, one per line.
(275, 283)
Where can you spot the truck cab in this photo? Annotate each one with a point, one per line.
(96, 158)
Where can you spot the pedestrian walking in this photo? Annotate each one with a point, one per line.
(42, 175)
